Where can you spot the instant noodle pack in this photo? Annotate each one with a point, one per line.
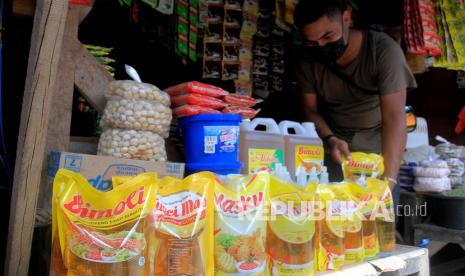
(204, 224)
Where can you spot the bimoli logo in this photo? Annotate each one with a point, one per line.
(78, 207)
(266, 158)
(360, 165)
(309, 151)
(242, 205)
(180, 205)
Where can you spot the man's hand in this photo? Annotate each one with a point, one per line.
(338, 149)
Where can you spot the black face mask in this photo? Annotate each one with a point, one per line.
(334, 50)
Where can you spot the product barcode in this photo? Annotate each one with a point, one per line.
(211, 139)
(209, 148)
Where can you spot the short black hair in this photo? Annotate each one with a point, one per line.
(309, 11)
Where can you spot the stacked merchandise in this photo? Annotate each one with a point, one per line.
(451, 154)
(450, 18)
(207, 225)
(101, 55)
(187, 28)
(193, 98)
(136, 120)
(432, 176)
(406, 176)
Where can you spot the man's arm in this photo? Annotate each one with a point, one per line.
(394, 132)
(338, 147)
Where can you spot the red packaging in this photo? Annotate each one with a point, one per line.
(240, 100)
(197, 87)
(81, 2)
(197, 99)
(189, 110)
(245, 112)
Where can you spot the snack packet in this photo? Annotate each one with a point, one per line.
(370, 164)
(239, 100)
(102, 233)
(183, 219)
(245, 112)
(198, 100)
(291, 228)
(240, 225)
(189, 110)
(197, 87)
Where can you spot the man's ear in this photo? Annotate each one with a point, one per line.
(347, 17)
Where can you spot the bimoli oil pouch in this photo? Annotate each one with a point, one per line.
(291, 228)
(102, 233)
(370, 164)
(183, 219)
(240, 224)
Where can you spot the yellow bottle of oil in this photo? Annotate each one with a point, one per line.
(353, 227)
(303, 149)
(260, 149)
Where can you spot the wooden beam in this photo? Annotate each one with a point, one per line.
(24, 7)
(91, 78)
(44, 58)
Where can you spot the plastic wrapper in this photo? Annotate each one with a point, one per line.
(431, 172)
(245, 112)
(240, 100)
(102, 233)
(198, 88)
(431, 184)
(128, 89)
(369, 164)
(132, 144)
(198, 100)
(190, 110)
(184, 226)
(137, 115)
(240, 225)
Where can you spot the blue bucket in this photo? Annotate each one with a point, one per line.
(211, 138)
(218, 168)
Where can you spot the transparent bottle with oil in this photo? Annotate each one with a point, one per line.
(353, 236)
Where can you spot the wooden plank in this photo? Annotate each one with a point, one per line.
(44, 58)
(91, 78)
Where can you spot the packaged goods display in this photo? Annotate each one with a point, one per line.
(198, 100)
(198, 88)
(240, 100)
(132, 90)
(137, 115)
(190, 110)
(132, 144)
(245, 112)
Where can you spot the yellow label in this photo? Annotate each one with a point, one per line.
(366, 163)
(282, 269)
(353, 255)
(371, 246)
(328, 259)
(264, 159)
(309, 157)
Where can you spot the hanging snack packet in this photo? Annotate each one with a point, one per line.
(102, 233)
(240, 225)
(183, 219)
(369, 164)
(384, 214)
(290, 229)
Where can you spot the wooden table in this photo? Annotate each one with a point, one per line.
(412, 260)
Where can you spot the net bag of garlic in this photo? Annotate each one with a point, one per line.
(132, 144)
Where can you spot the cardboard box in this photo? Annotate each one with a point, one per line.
(99, 169)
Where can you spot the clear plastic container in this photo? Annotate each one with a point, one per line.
(260, 150)
(303, 148)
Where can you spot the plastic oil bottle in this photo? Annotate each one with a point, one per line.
(304, 149)
(353, 236)
(386, 225)
(329, 237)
(260, 149)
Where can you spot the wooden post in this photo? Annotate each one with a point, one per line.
(43, 65)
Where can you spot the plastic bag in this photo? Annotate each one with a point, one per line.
(291, 229)
(240, 225)
(369, 164)
(132, 90)
(184, 226)
(190, 110)
(240, 100)
(198, 88)
(102, 233)
(199, 100)
(245, 112)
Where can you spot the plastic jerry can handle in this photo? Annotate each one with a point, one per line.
(285, 126)
(270, 124)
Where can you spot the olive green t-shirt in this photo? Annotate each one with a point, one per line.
(380, 66)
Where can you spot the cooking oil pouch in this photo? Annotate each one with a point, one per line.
(102, 233)
(369, 164)
(368, 201)
(331, 209)
(240, 224)
(291, 228)
(183, 219)
(384, 214)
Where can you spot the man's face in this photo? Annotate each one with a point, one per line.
(327, 29)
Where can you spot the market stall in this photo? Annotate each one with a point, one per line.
(170, 165)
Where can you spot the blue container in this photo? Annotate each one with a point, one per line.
(211, 138)
(218, 168)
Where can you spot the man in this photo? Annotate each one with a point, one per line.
(354, 85)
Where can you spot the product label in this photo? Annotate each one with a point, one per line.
(309, 157)
(220, 139)
(353, 255)
(264, 159)
(370, 244)
(328, 259)
(282, 269)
